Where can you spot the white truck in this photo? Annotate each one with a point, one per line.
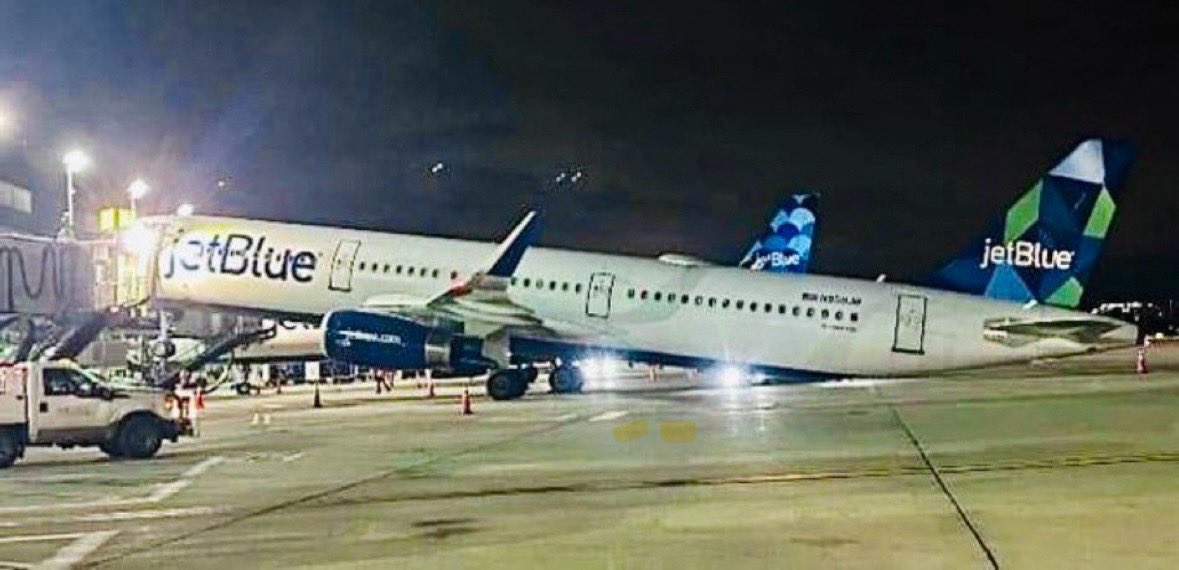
(59, 403)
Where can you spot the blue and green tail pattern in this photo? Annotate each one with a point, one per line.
(1045, 246)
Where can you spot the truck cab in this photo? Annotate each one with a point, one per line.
(59, 403)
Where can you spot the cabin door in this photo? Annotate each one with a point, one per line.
(909, 332)
(597, 295)
(342, 261)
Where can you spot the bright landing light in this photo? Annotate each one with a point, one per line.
(185, 210)
(730, 376)
(598, 368)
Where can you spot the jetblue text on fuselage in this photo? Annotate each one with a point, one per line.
(240, 254)
(1025, 254)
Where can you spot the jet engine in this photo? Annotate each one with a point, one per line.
(392, 342)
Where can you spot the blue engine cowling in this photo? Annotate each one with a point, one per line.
(395, 343)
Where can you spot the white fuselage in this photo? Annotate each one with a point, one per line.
(805, 323)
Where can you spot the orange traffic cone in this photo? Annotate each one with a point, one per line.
(466, 401)
(1140, 366)
(430, 389)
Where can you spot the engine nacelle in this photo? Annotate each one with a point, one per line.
(395, 343)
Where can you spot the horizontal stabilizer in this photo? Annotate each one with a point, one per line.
(1080, 329)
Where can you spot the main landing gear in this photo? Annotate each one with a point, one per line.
(510, 383)
(566, 379)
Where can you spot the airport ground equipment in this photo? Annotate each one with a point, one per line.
(59, 403)
(220, 347)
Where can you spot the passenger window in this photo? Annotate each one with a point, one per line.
(810, 312)
(453, 275)
(699, 300)
(643, 294)
(59, 382)
(671, 297)
(540, 283)
(565, 286)
(825, 313)
(711, 302)
(839, 315)
(386, 268)
(362, 266)
(768, 308)
(658, 296)
(781, 309)
(684, 299)
(630, 293)
(527, 282)
(409, 270)
(724, 303)
(740, 304)
(399, 270)
(577, 288)
(796, 311)
(753, 306)
(434, 274)
(552, 285)
(853, 317)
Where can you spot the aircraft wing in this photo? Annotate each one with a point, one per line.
(1080, 328)
(480, 302)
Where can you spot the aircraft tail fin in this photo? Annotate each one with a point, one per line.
(785, 247)
(1045, 246)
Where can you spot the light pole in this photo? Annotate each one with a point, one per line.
(136, 191)
(75, 161)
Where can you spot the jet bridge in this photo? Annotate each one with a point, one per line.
(44, 276)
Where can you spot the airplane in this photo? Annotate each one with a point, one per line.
(400, 301)
(784, 248)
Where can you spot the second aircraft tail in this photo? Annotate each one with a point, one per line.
(786, 246)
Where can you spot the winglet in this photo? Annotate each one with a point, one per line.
(511, 250)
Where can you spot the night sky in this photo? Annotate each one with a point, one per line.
(917, 125)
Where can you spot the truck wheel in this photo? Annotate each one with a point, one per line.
(111, 448)
(9, 449)
(139, 438)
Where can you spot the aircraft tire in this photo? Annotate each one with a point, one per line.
(111, 448)
(566, 379)
(506, 384)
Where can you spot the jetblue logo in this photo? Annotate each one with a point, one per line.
(1025, 254)
(776, 259)
(240, 254)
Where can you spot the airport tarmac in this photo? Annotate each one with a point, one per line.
(1064, 464)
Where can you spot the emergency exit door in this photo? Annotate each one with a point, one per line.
(597, 295)
(342, 261)
(909, 333)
